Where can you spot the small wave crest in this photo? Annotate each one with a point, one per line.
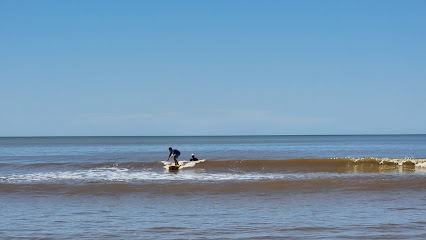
(220, 176)
(395, 161)
(341, 165)
(203, 170)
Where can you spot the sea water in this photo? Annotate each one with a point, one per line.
(245, 187)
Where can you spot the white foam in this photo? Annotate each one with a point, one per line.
(420, 167)
(396, 161)
(190, 164)
(183, 164)
(115, 174)
(423, 165)
(402, 161)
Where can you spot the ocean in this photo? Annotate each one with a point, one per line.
(243, 187)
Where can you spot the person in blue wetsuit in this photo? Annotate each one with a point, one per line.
(175, 154)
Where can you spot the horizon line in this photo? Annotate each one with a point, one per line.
(221, 135)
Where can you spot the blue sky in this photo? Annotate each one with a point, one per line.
(83, 68)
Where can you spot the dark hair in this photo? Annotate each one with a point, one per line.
(170, 148)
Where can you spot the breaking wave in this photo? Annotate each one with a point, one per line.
(215, 176)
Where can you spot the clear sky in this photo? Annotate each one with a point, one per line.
(224, 67)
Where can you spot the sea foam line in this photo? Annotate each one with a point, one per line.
(114, 174)
(396, 161)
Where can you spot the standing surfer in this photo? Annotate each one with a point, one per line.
(175, 154)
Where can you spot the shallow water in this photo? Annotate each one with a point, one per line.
(254, 187)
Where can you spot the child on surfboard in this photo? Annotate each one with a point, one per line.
(175, 154)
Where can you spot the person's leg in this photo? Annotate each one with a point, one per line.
(176, 157)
